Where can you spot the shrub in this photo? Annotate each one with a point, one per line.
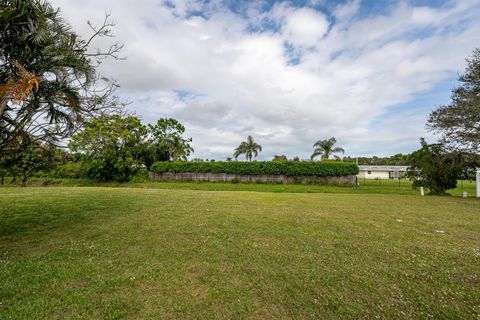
(290, 168)
(140, 176)
(69, 170)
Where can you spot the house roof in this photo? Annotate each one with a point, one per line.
(383, 168)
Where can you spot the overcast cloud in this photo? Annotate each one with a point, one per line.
(288, 73)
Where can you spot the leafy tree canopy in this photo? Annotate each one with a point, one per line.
(395, 160)
(280, 158)
(166, 141)
(112, 146)
(459, 121)
(28, 159)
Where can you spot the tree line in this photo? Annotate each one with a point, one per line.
(110, 147)
(51, 93)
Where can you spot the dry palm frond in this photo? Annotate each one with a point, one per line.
(26, 83)
(19, 89)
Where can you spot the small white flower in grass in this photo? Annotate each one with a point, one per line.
(440, 231)
(399, 220)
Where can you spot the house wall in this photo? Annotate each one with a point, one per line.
(374, 174)
(224, 177)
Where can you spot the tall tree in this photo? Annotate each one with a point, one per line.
(249, 148)
(166, 142)
(48, 74)
(325, 148)
(459, 121)
(111, 147)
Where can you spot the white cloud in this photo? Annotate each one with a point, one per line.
(341, 75)
(302, 27)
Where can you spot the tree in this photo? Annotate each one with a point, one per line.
(280, 158)
(33, 158)
(3, 169)
(180, 148)
(459, 121)
(166, 142)
(434, 168)
(325, 148)
(112, 147)
(249, 148)
(395, 160)
(48, 74)
(28, 159)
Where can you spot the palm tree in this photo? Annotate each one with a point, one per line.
(249, 148)
(325, 148)
(49, 80)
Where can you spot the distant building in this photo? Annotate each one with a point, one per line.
(382, 172)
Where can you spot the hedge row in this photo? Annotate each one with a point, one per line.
(292, 168)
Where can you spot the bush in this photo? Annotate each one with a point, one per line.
(140, 176)
(69, 170)
(290, 168)
(98, 169)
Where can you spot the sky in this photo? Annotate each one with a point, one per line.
(288, 73)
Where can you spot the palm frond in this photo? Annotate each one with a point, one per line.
(338, 150)
(317, 152)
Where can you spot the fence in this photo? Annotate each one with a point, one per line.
(265, 178)
(383, 182)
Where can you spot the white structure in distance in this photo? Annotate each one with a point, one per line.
(382, 172)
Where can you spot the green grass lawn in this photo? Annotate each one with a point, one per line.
(99, 252)
(367, 186)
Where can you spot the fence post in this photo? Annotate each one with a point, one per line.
(478, 182)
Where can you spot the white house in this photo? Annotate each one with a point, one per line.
(382, 172)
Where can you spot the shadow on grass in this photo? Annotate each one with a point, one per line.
(24, 210)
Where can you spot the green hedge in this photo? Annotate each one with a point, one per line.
(292, 168)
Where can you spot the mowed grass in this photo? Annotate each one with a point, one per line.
(366, 186)
(97, 252)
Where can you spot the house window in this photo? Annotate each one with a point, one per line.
(369, 172)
